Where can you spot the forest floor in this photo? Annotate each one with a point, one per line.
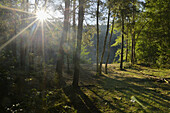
(136, 89)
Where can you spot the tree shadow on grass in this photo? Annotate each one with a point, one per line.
(129, 86)
(106, 101)
(144, 89)
(80, 101)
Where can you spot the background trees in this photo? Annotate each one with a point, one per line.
(76, 32)
(146, 38)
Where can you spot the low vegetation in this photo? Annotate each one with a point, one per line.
(135, 89)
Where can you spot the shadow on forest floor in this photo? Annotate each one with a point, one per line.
(107, 93)
(112, 92)
(80, 101)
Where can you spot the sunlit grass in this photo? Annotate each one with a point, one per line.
(113, 92)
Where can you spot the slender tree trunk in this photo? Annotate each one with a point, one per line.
(78, 49)
(104, 46)
(108, 56)
(68, 51)
(97, 47)
(22, 54)
(127, 45)
(27, 47)
(134, 51)
(60, 56)
(133, 35)
(122, 45)
(74, 29)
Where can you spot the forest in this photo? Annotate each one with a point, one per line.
(84, 56)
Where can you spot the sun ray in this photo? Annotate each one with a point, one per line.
(35, 30)
(51, 23)
(49, 29)
(47, 25)
(27, 18)
(53, 17)
(18, 10)
(32, 36)
(13, 38)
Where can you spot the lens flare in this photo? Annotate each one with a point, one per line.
(42, 15)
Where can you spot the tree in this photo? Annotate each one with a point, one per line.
(127, 41)
(104, 46)
(97, 48)
(78, 48)
(122, 43)
(74, 29)
(133, 33)
(109, 44)
(60, 57)
(153, 34)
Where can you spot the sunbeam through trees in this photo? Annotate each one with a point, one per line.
(84, 56)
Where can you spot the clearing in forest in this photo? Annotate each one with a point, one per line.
(138, 89)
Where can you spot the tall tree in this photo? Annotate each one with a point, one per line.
(74, 28)
(109, 44)
(78, 48)
(104, 46)
(122, 43)
(133, 34)
(127, 42)
(60, 57)
(97, 22)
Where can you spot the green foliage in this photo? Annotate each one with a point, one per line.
(87, 43)
(152, 47)
(84, 55)
(117, 41)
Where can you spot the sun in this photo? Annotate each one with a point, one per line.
(42, 15)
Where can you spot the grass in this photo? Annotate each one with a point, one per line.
(133, 90)
(112, 92)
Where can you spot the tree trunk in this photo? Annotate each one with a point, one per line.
(104, 46)
(74, 29)
(68, 51)
(127, 45)
(122, 45)
(97, 47)
(108, 56)
(60, 56)
(133, 35)
(78, 48)
(22, 52)
(27, 47)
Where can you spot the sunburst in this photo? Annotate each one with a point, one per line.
(41, 15)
